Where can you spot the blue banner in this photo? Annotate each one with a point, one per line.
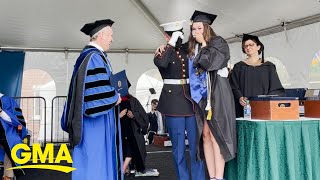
(11, 71)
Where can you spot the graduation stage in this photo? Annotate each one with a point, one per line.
(158, 158)
(266, 150)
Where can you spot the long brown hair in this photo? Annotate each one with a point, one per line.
(208, 34)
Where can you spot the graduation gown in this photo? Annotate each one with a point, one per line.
(90, 118)
(139, 126)
(211, 58)
(248, 81)
(9, 126)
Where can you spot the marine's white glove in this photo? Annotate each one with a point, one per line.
(174, 38)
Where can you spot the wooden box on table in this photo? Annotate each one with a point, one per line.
(312, 108)
(159, 140)
(274, 108)
(312, 103)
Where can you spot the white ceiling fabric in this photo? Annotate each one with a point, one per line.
(57, 24)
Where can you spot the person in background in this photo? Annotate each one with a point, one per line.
(210, 88)
(12, 132)
(175, 102)
(134, 125)
(156, 121)
(253, 76)
(90, 114)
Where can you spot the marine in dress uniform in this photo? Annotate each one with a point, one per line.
(175, 101)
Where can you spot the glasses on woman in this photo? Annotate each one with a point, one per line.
(249, 45)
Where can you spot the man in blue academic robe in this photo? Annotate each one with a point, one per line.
(90, 115)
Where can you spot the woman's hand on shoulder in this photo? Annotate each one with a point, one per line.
(160, 50)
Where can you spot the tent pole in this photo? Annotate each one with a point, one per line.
(279, 28)
(148, 14)
(64, 50)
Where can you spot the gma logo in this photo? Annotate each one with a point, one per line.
(48, 153)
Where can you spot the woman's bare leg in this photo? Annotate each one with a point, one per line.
(219, 160)
(208, 150)
(126, 163)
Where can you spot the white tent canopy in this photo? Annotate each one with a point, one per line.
(49, 32)
(56, 24)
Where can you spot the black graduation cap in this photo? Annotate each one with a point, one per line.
(199, 16)
(246, 37)
(92, 28)
(152, 91)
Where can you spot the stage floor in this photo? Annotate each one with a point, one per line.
(158, 158)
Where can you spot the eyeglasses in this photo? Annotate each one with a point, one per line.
(249, 45)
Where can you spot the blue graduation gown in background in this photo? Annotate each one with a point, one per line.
(11, 108)
(95, 156)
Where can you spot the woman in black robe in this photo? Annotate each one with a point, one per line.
(253, 76)
(134, 125)
(210, 88)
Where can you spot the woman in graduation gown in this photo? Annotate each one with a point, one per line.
(210, 88)
(253, 76)
(134, 125)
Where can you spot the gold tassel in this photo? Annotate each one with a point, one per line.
(208, 107)
(209, 116)
(25, 140)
